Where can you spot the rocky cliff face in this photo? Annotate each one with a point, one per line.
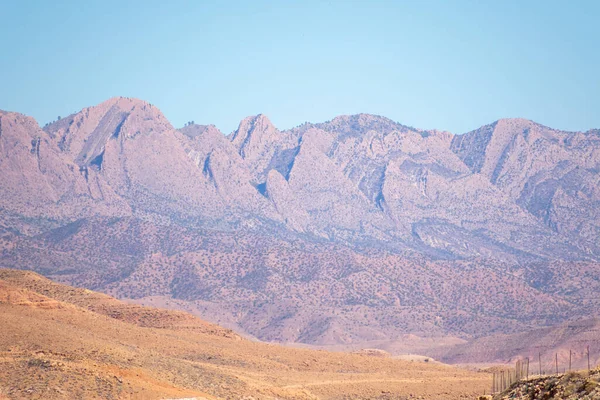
(39, 180)
(515, 196)
(553, 175)
(512, 190)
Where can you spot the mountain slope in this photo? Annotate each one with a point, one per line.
(351, 230)
(291, 289)
(38, 180)
(572, 336)
(553, 175)
(92, 346)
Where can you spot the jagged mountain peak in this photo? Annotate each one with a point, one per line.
(20, 131)
(360, 124)
(122, 104)
(137, 109)
(361, 119)
(128, 104)
(254, 123)
(520, 126)
(18, 118)
(122, 101)
(253, 132)
(366, 156)
(527, 123)
(259, 121)
(514, 121)
(509, 127)
(194, 131)
(85, 134)
(6, 112)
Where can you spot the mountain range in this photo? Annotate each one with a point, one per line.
(354, 230)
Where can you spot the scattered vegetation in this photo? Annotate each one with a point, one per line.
(569, 386)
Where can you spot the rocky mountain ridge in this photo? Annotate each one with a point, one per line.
(379, 229)
(510, 190)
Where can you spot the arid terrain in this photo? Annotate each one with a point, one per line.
(564, 343)
(577, 385)
(355, 231)
(59, 342)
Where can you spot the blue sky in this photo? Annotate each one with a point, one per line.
(452, 65)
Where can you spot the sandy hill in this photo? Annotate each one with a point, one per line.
(60, 342)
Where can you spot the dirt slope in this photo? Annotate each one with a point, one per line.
(60, 342)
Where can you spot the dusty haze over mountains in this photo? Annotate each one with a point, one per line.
(350, 231)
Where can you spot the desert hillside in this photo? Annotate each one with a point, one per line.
(60, 342)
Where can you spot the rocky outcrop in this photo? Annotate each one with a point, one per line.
(568, 386)
(553, 175)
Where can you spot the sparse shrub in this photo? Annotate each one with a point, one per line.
(589, 386)
(570, 390)
(38, 363)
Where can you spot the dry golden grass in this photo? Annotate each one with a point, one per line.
(58, 342)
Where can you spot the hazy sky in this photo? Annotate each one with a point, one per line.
(452, 65)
